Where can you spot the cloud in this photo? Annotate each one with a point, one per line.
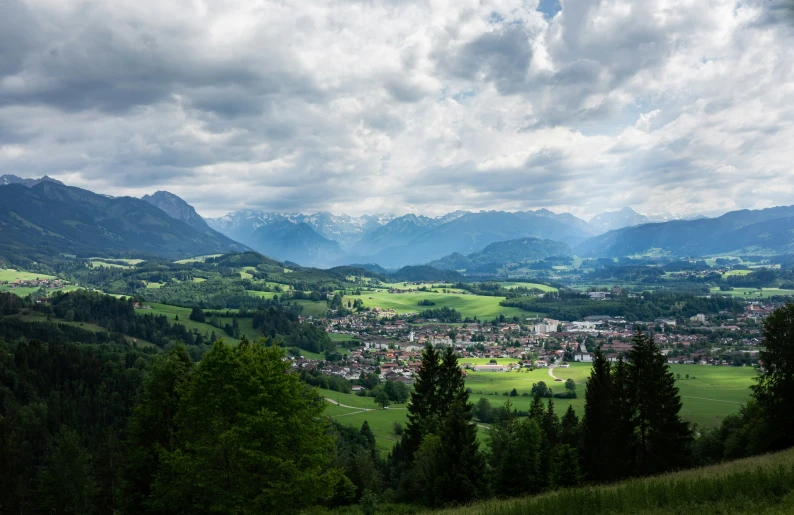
(426, 106)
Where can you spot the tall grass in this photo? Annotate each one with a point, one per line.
(763, 484)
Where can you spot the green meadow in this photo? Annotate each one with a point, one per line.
(711, 394)
(11, 275)
(468, 305)
(753, 293)
(519, 284)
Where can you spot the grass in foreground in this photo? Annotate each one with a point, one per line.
(763, 484)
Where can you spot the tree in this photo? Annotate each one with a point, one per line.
(565, 469)
(197, 315)
(597, 420)
(774, 390)
(397, 428)
(540, 389)
(663, 437)
(423, 405)
(621, 439)
(66, 483)
(515, 455)
(382, 398)
(570, 429)
(151, 427)
(250, 438)
(570, 388)
(461, 465)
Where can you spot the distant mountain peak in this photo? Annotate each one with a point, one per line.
(176, 208)
(13, 179)
(612, 220)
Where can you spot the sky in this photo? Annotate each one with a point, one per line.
(355, 106)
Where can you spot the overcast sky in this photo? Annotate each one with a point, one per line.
(683, 106)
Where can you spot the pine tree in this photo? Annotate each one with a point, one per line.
(369, 436)
(537, 410)
(570, 428)
(515, 455)
(450, 378)
(621, 441)
(597, 421)
(551, 424)
(423, 406)
(774, 392)
(565, 469)
(663, 437)
(461, 465)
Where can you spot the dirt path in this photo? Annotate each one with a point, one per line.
(551, 373)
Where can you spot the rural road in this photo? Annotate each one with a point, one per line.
(551, 373)
(353, 407)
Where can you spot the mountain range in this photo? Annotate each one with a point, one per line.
(47, 218)
(44, 217)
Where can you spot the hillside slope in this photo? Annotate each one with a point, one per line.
(50, 218)
(760, 485)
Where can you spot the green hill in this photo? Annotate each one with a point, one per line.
(500, 253)
(760, 485)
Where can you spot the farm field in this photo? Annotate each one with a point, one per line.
(381, 421)
(753, 293)
(10, 275)
(520, 284)
(468, 305)
(714, 393)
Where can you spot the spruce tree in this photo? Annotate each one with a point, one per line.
(663, 438)
(597, 420)
(570, 428)
(515, 455)
(423, 405)
(774, 391)
(461, 465)
(621, 442)
(537, 410)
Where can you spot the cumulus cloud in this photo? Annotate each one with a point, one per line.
(426, 106)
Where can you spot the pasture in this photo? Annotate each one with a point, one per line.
(482, 307)
(509, 285)
(714, 393)
(355, 410)
(10, 275)
(753, 293)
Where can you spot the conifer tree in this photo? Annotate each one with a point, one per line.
(461, 464)
(515, 455)
(774, 391)
(565, 469)
(423, 405)
(537, 410)
(570, 428)
(597, 420)
(663, 438)
(621, 441)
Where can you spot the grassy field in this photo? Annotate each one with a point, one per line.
(246, 326)
(468, 305)
(516, 284)
(714, 393)
(381, 421)
(313, 308)
(736, 272)
(197, 259)
(10, 275)
(753, 293)
(83, 325)
(753, 486)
